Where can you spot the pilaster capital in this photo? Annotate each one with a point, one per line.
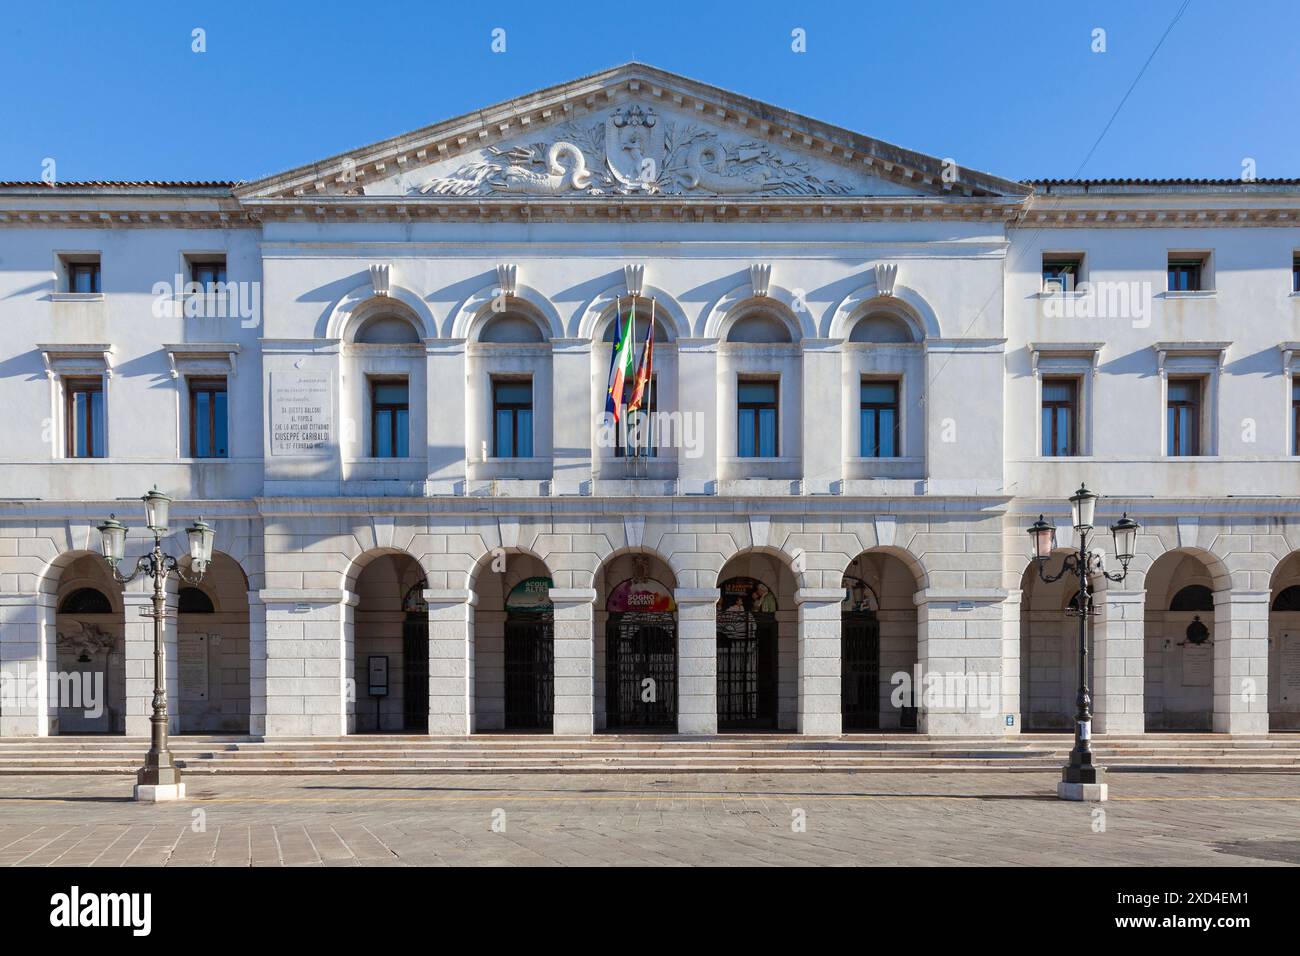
(819, 596)
(572, 595)
(697, 595)
(450, 596)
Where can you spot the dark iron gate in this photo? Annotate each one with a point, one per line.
(860, 671)
(530, 672)
(641, 646)
(415, 673)
(746, 670)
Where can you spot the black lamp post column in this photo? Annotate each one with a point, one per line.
(1081, 779)
(159, 779)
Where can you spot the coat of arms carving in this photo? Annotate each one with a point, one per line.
(635, 151)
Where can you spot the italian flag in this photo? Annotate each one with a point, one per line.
(620, 367)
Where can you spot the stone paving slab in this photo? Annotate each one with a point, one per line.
(671, 820)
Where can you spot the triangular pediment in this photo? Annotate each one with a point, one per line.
(633, 131)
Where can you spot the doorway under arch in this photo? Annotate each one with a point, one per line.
(88, 692)
(636, 663)
(391, 647)
(514, 645)
(1179, 658)
(757, 644)
(878, 642)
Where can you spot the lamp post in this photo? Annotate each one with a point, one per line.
(158, 779)
(1082, 779)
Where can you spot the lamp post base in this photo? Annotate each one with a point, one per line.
(1093, 792)
(159, 792)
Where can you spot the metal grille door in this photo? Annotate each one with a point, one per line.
(530, 673)
(746, 670)
(415, 673)
(641, 671)
(860, 671)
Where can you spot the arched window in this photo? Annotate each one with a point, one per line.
(194, 601)
(387, 329)
(759, 327)
(881, 327)
(86, 601)
(1194, 597)
(1288, 599)
(511, 328)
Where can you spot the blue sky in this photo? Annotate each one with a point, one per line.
(112, 90)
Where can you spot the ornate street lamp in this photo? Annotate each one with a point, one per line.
(158, 779)
(1081, 779)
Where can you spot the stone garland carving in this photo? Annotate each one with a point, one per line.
(631, 153)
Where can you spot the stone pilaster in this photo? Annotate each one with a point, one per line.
(820, 693)
(256, 665)
(697, 660)
(28, 653)
(451, 661)
(1012, 661)
(574, 660)
(445, 416)
(1119, 656)
(960, 647)
(1241, 662)
(310, 688)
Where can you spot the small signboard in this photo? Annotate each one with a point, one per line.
(530, 595)
(301, 411)
(378, 669)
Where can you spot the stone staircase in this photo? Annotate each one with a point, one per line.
(643, 753)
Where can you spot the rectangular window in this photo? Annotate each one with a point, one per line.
(1186, 274)
(512, 418)
(878, 420)
(1295, 418)
(208, 425)
(208, 271)
(638, 436)
(84, 414)
(1183, 417)
(83, 276)
(1061, 273)
(389, 419)
(1295, 274)
(756, 424)
(1060, 417)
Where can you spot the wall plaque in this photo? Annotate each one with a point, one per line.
(192, 665)
(302, 410)
(1198, 665)
(1289, 663)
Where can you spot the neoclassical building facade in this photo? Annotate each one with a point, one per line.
(383, 378)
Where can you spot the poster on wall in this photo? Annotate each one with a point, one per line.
(531, 595)
(746, 594)
(858, 597)
(640, 594)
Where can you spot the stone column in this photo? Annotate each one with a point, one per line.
(819, 660)
(451, 661)
(28, 653)
(1241, 662)
(256, 665)
(1119, 656)
(574, 660)
(697, 660)
(310, 679)
(960, 647)
(138, 651)
(1012, 660)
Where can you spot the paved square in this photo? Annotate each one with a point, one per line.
(657, 820)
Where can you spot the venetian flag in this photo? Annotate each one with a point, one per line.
(620, 366)
(641, 384)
